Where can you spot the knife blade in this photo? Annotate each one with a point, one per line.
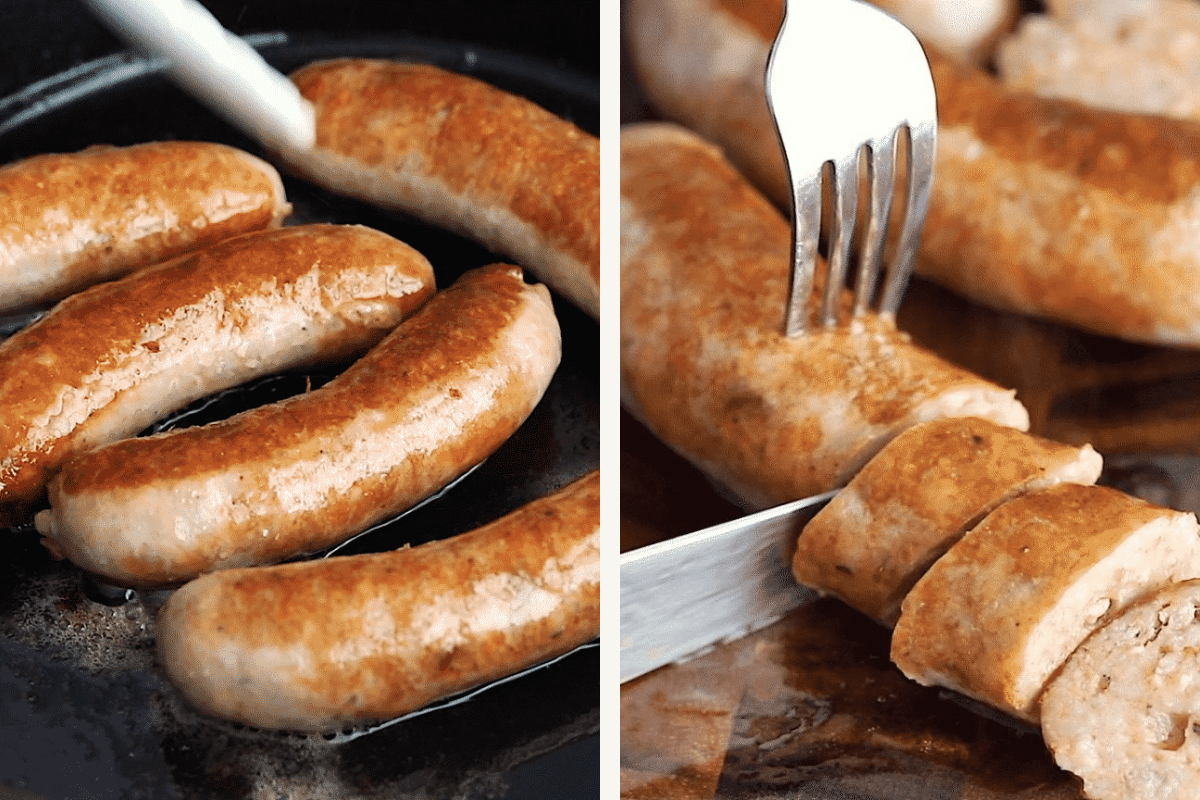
(690, 593)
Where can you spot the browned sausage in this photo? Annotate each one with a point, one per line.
(104, 363)
(75, 219)
(918, 496)
(705, 363)
(997, 615)
(321, 644)
(434, 398)
(1040, 206)
(464, 155)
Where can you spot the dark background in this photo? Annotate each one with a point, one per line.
(39, 38)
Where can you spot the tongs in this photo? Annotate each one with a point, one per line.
(218, 68)
(851, 94)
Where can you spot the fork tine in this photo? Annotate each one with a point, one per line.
(868, 108)
(806, 200)
(845, 213)
(921, 141)
(881, 174)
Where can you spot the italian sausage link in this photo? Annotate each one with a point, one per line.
(704, 359)
(321, 644)
(464, 155)
(106, 362)
(72, 220)
(1077, 214)
(434, 398)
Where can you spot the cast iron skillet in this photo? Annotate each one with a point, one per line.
(84, 711)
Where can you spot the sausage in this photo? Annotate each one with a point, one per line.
(322, 644)
(1121, 714)
(463, 155)
(106, 362)
(75, 219)
(997, 615)
(1137, 57)
(1077, 214)
(1040, 206)
(967, 30)
(702, 64)
(918, 496)
(434, 398)
(705, 363)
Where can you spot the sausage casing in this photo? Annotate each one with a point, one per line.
(464, 155)
(705, 363)
(1039, 206)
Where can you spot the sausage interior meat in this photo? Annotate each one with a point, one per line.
(909, 504)
(1122, 712)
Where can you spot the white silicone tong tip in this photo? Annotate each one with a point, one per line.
(216, 67)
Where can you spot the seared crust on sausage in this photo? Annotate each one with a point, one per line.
(434, 398)
(704, 360)
(71, 220)
(464, 155)
(997, 615)
(918, 496)
(1052, 208)
(105, 363)
(345, 640)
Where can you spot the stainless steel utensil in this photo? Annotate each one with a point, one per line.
(847, 82)
(745, 583)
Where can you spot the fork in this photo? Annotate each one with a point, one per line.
(845, 82)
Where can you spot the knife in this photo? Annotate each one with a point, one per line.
(688, 594)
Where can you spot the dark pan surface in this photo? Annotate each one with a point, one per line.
(84, 712)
